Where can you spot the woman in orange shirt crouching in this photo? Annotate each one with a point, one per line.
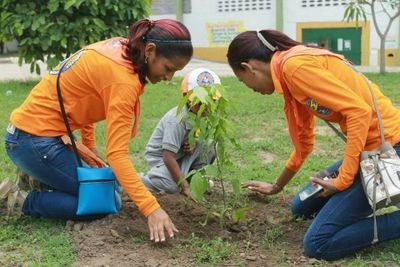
(102, 81)
(316, 82)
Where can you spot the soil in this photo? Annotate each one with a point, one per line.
(270, 237)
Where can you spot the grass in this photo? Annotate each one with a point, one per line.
(211, 252)
(271, 235)
(29, 242)
(258, 123)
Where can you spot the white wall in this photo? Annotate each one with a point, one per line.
(293, 13)
(206, 11)
(11, 46)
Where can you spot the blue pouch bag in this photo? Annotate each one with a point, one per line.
(99, 192)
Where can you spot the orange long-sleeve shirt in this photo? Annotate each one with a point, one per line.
(328, 87)
(94, 88)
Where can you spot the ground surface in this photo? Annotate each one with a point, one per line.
(269, 238)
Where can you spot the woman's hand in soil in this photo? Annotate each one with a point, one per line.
(262, 187)
(158, 221)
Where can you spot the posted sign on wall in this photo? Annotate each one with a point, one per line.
(222, 33)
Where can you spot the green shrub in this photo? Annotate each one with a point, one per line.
(49, 30)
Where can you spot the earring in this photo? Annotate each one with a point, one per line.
(145, 60)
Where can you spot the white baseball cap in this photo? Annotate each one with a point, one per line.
(199, 77)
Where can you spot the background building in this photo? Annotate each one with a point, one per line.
(213, 23)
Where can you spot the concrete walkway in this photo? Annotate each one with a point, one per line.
(10, 70)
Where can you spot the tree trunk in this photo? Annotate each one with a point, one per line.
(382, 56)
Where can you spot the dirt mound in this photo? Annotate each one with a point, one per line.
(269, 238)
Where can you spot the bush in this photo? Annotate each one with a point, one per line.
(54, 28)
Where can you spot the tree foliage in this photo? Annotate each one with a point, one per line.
(355, 10)
(49, 30)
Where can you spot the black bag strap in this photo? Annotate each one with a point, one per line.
(64, 115)
(338, 133)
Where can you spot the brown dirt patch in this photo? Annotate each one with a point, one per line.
(266, 157)
(269, 238)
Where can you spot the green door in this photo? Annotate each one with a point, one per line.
(345, 41)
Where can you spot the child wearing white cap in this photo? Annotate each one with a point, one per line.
(168, 153)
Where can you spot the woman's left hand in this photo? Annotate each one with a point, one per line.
(262, 187)
(329, 187)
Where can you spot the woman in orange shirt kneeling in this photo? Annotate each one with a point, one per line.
(102, 81)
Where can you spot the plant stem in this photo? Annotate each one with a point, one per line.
(223, 188)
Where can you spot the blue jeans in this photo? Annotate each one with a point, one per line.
(342, 224)
(49, 161)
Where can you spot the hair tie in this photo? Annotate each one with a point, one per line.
(265, 42)
(151, 23)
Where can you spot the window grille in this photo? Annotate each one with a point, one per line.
(243, 5)
(323, 3)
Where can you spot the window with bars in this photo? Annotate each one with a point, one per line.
(243, 5)
(323, 3)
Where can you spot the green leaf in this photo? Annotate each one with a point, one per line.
(68, 4)
(354, 11)
(212, 170)
(24, 41)
(201, 93)
(347, 12)
(20, 58)
(45, 44)
(236, 187)
(199, 186)
(37, 69)
(64, 42)
(182, 104)
(52, 62)
(201, 110)
(35, 25)
(99, 23)
(239, 215)
(53, 5)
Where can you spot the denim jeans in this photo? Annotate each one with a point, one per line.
(342, 223)
(49, 161)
